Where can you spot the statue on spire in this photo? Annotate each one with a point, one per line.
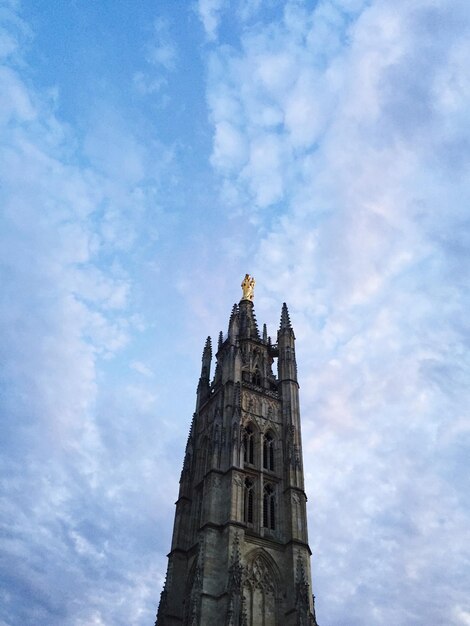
(248, 287)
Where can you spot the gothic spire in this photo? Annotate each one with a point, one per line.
(207, 348)
(206, 359)
(285, 319)
(248, 323)
(233, 325)
(203, 388)
(234, 311)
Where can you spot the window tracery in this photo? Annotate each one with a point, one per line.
(248, 444)
(269, 508)
(249, 497)
(256, 377)
(268, 452)
(260, 593)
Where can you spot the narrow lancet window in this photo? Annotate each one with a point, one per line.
(256, 378)
(248, 513)
(269, 508)
(268, 452)
(248, 444)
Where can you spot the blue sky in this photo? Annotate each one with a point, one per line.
(152, 153)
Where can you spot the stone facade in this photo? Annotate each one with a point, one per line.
(240, 554)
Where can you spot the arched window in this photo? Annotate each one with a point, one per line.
(256, 378)
(269, 508)
(248, 444)
(260, 592)
(268, 452)
(248, 512)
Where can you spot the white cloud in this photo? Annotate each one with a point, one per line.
(368, 248)
(230, 150)
(162, 51)
(146, 85)
(143, 369)
(66, 314)
(340, 143)
(264, 169)
(16, 103)
(162, 56)
(462, 616)
(209, 13)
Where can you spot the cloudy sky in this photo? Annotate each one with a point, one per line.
(151, 153)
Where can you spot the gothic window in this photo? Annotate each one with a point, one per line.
(268, 452)
(256, 377)
(248, 513)
(248, 444)
(269, 508)
(259, 593)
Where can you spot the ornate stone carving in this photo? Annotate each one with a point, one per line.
(162, 605)
(304, 616)
(236, 614)
(260, 575)
(251, 403)
(289, 444)
(237, 480)
(194, 596)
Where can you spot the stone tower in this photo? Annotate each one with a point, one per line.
(240, 554)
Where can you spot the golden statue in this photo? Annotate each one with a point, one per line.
(248, 286)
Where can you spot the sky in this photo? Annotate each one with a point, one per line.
(152, 153)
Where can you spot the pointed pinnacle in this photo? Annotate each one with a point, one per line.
(208, 347)
(300, 569)
(237, 395)
(221, 340)
(236, 548)
(234, 322)
(255, 323)
(285, 319)
(191, 429)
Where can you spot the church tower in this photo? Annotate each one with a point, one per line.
(239, 554)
